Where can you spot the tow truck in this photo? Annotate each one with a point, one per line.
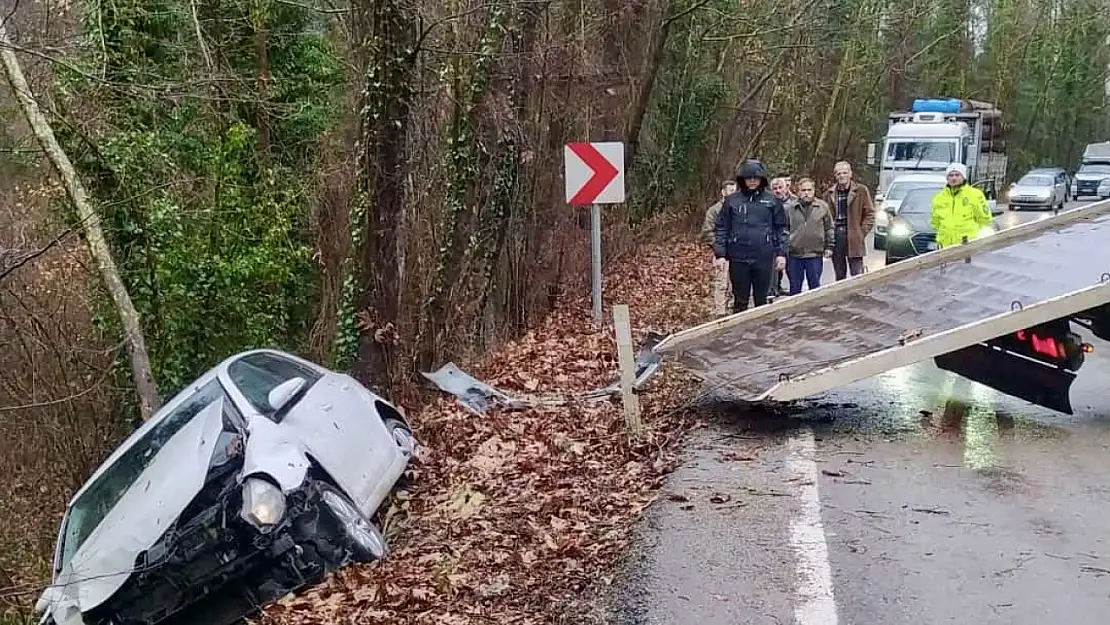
(1005, 310)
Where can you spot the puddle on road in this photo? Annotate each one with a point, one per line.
(923, 402)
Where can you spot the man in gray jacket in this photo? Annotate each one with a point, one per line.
(812, 237)
(782, 189)
(719, 282)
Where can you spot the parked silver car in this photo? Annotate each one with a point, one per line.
(1043, 189)
(254, 481)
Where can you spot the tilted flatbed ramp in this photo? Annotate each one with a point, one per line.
(913, 310)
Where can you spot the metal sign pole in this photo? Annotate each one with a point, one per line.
(595, 260)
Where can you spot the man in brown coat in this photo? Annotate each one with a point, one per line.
(720, 284)
(853, 217)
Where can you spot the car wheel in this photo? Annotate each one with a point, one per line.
(355, 533)
(402, 436)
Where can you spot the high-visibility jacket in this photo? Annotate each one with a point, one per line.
(959, 212)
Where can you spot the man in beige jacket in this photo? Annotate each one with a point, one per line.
(720, 284)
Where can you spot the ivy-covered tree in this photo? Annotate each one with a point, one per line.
(199, 127)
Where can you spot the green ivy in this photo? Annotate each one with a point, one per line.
(209, 232)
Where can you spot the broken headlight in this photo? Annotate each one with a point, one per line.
(263, 503)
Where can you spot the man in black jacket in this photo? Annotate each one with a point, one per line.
(751, 236)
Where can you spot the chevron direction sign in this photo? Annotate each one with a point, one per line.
(594, 173)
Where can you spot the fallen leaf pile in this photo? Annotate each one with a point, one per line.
(519, 517)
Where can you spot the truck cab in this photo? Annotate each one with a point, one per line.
(1093, 176)
(938, 132)
(924, 143)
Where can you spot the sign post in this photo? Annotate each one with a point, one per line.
(594, 174)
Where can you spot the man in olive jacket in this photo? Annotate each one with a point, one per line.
(812, 237)
(719, 283)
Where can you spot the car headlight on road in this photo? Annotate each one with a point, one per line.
(263, 503)
(881, 217)
(985, 232)
(1104, 187)
(900, 230)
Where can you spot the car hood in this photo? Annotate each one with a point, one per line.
(1029, 190)
(1091, 177)
(153, 502)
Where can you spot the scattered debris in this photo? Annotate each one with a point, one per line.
(720, 498)
(930, 511)
(1097, 570)
(479, 397)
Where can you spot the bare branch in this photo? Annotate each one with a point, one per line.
(13, 265)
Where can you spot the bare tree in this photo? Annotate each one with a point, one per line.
(149, 399)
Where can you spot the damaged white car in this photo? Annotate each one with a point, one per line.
(255, 481)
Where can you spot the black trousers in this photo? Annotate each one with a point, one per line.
(750, 278)
(842, 263)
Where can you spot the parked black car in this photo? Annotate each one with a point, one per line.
(910, 232)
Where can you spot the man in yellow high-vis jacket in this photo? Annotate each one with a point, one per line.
(959, 210)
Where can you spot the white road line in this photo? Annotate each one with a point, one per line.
(815, 603)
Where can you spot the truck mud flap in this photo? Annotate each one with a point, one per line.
(1012, 374)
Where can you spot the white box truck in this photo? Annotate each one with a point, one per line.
(934, 134)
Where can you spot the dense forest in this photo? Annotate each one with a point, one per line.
(377, 185)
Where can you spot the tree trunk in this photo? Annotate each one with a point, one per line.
(390, 36)
(643, 98)
(145, 387)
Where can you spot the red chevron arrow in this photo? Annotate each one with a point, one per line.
(604, 173)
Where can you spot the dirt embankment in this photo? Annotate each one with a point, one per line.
(520, 517)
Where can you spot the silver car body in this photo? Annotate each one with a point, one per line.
(328, 425)
(1039, 189)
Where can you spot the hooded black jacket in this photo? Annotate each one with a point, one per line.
(752, 224)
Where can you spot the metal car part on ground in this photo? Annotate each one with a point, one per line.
(254, 481)
(478, 397)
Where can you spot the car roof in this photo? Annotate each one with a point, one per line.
(1038, 170)
(918, 196)
(1044, 173)
(920, 177)
(173, 404)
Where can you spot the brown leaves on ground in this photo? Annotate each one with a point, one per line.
(517, 517)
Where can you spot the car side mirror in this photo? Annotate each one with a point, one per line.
(283, 393)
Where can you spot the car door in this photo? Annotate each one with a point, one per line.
(332, 419)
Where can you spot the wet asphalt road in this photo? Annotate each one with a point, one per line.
(916, 497)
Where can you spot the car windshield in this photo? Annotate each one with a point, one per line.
(1096, 168)
(898, 190)
(1036, 181)
(935, 151)
(257, 374)
(917, 207)
(104, 493)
